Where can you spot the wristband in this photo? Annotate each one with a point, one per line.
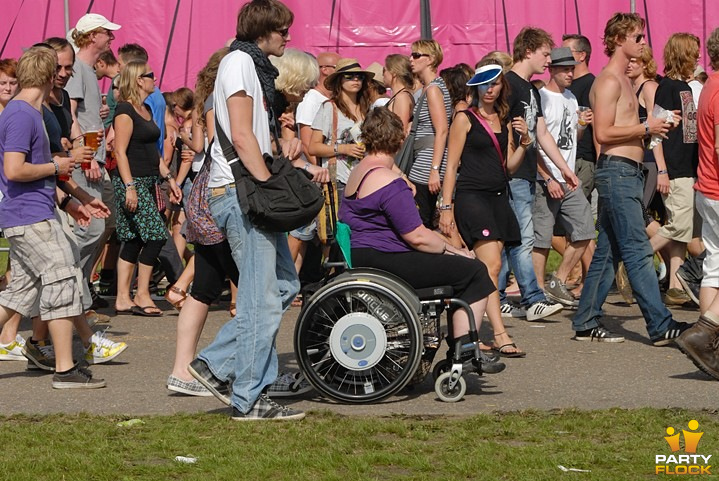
(57, 167)
(663, 171)
(646, 128)
(525, 144)
(307, 167)
(167, 177)
(445, 207)
(130, 185)
(435, 167)
(550, 179)
(336, 148)
(65, 201)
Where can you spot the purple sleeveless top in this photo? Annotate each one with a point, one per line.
(379, 219)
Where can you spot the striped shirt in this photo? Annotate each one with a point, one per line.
(423, 162)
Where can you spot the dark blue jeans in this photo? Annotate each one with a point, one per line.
(621, 238)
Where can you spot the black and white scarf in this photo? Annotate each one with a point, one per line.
(267, 73)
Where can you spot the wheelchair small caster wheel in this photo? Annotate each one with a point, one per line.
(441, 388)
(440, 368)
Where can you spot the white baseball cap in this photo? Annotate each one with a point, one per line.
(91, 21)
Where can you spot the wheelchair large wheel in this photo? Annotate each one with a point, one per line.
(359, 339)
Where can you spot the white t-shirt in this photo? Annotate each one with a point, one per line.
(323, 122)
(307, 109)
(235, 74)
(560, 115)
(696, 87)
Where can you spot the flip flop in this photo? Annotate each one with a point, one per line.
(505, 352)
(143, 311)
(129, 312)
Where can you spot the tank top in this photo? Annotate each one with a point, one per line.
(482, 169)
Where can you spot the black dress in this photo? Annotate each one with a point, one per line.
(481, 203)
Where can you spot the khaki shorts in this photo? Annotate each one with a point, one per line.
(679, 204)
(45, 276)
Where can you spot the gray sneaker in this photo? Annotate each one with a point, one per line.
(76, 378)
(557, 291)
(288, 384)
(201, 371)
(40, 355)
(265, 409)
(191, 388)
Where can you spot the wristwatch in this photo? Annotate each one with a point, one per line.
(435, 167)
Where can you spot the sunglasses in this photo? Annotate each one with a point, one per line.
(638, 37)
(417, 55)
(353, 76)
(149, 75)
(284, 32)
(328, 66)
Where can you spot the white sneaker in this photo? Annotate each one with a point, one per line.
(13, 351)
(102, 349)
(510, 310)
(540, 310)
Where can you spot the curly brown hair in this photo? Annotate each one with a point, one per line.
(382, 131)
(205, 83)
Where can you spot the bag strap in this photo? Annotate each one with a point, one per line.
(415, 114)
(492, 136)
(404, 89)
(228, 150)
(335, 122)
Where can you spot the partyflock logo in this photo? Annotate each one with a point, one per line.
(689, 463)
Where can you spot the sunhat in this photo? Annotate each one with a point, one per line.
(346, 65)
(377, 70)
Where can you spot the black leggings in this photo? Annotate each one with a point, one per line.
(468, 277)
(212, 264)
(135, 250)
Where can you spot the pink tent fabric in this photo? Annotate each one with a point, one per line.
(368, 30)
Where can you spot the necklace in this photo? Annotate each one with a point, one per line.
(488, 117)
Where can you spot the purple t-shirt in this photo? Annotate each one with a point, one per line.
(25, 203)
(379, 219)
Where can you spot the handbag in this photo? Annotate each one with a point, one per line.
(160, 198)
(201, 227)
(284, 202)
(407, 153)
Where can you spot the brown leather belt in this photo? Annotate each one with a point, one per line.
(215, 191)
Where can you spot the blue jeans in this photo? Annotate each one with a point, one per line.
(520, 257)
(621, 237)
(243, 352)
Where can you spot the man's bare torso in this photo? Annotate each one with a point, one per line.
(626, 113)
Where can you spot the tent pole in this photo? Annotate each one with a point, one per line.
(425, 20)
(633, 6)
(67, 15)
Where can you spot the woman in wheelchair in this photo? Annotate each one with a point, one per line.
(388, 234)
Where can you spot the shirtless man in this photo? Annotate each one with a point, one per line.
(619, 181)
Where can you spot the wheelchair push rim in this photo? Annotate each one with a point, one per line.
(358, 341)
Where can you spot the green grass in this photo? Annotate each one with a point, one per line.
(613, 444)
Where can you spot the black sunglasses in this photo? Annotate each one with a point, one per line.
(149, 75)
(417, 55)
(353, 76)
(284, 32)
(638, 37)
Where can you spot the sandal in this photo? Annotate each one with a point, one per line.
(176, 290)
(508, 349)
(504, 350)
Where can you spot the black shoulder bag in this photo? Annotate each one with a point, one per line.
(286, 201)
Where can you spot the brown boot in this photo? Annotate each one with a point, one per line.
(701, 344)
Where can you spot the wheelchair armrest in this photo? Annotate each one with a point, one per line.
(429, 293)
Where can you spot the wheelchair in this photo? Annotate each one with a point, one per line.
(365, 334)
